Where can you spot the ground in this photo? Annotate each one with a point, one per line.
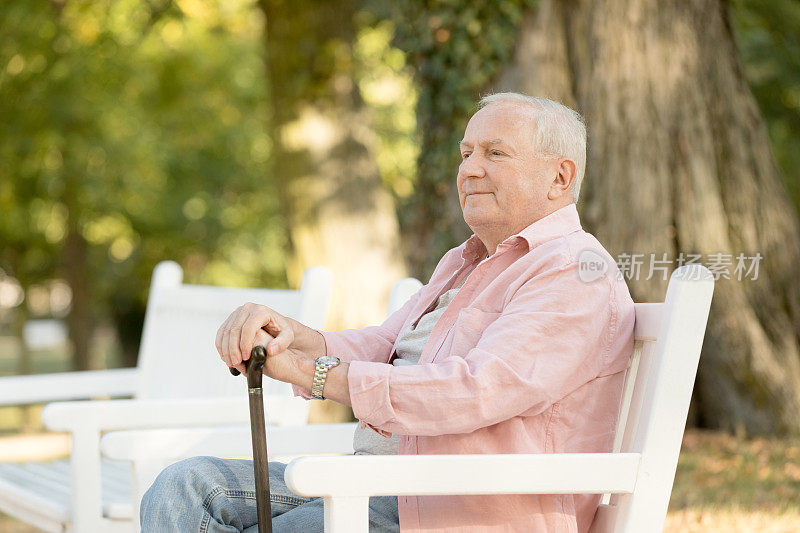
(723, 484)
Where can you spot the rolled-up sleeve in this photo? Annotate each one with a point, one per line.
(551, 338)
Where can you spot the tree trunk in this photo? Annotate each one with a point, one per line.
(337, 210)
(79, 320)
(679, 161)
(28, 415)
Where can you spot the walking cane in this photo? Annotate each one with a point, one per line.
(254, 368)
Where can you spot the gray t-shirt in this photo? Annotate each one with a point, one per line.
(409, 348)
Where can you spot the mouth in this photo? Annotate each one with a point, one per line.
(475, 194)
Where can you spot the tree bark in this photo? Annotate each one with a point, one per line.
(337, 210)
(79, 320)
(679, 161)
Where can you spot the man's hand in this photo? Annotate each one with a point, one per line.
(252, 325)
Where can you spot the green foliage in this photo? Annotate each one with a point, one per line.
(768, 35)
(386, 83)
(457, 48)
(140, 126)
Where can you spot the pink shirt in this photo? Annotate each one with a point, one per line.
(527, 358)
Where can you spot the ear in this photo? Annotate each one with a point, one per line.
(567, 171)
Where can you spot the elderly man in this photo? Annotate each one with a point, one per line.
(507, 349)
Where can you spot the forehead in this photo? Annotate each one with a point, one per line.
(509, 123)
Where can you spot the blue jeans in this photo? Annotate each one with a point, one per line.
(208, 494)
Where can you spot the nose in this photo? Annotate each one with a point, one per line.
(471, 167)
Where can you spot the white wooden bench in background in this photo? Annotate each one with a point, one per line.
(149, 451)
(179, 381)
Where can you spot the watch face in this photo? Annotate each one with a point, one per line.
(327, 360)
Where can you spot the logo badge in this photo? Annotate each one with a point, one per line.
(591, 266)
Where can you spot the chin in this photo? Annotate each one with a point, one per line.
(482, 220)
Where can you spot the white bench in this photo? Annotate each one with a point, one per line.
(638, 475)
(636, 479)
(180, 381)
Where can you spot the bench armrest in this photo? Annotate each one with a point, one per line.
(137, 414)
(227, 441)
(36, 388)
(346, 483)
(569, 473)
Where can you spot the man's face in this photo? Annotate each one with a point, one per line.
(502, 183)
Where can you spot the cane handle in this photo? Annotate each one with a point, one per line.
(253, 366)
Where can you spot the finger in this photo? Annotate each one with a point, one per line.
(240, 367)
(274, 324)
(235, 336)
(281, 342)
(262, 338)
(218, 340)
(258, 315)
(225, 341)
(221, 333)
(275, 329)
(233, 345)
(225, 336)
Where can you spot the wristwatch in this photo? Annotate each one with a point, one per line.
(322, 364)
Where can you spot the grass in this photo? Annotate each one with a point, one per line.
(104, 353)
(723, 485)
(714, 468)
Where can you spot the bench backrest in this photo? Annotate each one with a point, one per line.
(658, 386)
(177, 356)
(401, 292)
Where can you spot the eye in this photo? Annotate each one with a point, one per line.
(465, 155)
(497, 152)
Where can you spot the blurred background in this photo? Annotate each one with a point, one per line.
(249, 140)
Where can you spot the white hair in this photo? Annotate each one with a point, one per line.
(560, 131)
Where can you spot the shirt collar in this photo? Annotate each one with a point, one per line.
(560, 222)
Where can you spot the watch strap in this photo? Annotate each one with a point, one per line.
(320, 376)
